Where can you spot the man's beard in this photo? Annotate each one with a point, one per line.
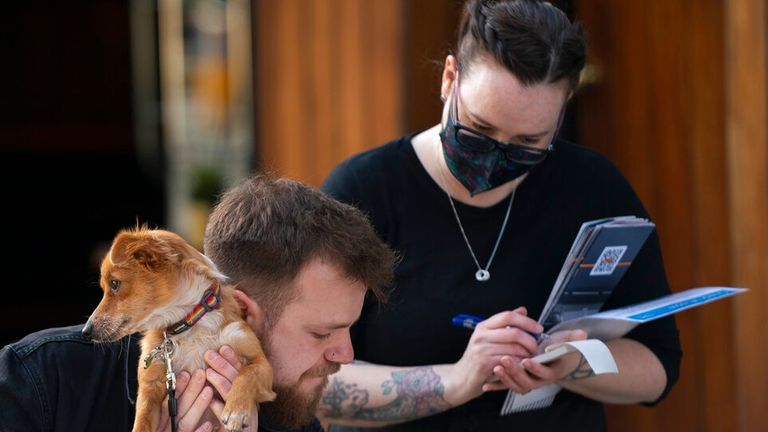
(292, 408)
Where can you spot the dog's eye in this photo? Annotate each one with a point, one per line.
(114, 285)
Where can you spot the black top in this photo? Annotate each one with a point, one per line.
(58, 380)
(436, 278)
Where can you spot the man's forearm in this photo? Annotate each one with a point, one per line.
(641, 376)
(371, 395)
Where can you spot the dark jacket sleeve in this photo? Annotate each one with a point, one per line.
(21, 395)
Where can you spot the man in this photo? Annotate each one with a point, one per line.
(303, 263)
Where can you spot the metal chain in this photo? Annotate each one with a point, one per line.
(482, 274)
(498, 239)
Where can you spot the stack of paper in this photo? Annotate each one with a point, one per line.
(604, 326)
(600, 255)
(615, 323)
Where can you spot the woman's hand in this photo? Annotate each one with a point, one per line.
(504, 335)
(224, 367)
(524, 375)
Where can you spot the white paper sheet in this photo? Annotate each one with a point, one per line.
(595, 352)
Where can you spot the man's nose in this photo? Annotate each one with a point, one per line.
(342, 351)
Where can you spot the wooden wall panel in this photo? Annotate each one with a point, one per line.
(706, 107)
(328, 82)
(680, 106)
(747, 156)
(430, 35)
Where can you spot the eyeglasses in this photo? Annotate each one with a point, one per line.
(477, 141)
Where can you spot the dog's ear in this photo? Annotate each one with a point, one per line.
(149, 258)
(154, 253)
(119, 253)
(150, 252)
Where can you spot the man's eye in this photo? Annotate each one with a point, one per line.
(114, 285)
(321, 336)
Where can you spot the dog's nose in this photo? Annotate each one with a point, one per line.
(87, 329)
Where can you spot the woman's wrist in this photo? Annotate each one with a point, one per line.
(459, 389)
(572, 366)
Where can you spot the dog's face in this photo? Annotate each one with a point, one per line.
(150, 279)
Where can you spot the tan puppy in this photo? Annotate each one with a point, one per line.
(155, 282)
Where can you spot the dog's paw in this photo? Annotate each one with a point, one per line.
(265, 394)
(235, 420)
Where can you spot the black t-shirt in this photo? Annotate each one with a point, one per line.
(435, 279)
(58, 380)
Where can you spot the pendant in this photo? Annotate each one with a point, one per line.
(482, 275)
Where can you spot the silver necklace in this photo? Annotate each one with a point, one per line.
(483, 274)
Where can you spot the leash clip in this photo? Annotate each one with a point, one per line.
(169, 348)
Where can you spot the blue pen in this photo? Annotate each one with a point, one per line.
(471, 321)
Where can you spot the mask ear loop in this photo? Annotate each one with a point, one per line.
(560, 119)
(453, 110)
(455, 98)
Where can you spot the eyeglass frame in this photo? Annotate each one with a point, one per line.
(453, 111)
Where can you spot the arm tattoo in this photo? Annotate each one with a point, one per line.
(582, 370)
(418, 393)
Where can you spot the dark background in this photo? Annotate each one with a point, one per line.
(70, 173)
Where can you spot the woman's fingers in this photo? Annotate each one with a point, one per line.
(509, 327)
(514, 318)
(506, 381)
(519, 377)
(511, 336)
(538, 370)
(562, 336)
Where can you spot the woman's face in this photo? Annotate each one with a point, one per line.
(494, 102)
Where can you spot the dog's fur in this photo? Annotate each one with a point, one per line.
(151, 279)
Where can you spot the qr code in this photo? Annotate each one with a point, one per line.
(608, 261)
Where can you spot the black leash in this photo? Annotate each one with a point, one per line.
(169, 347)
(172, 408)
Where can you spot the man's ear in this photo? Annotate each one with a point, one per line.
(250, 311)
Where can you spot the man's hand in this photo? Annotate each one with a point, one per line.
(504, 335)
(523, 374)
(223, 370)
(193, 397)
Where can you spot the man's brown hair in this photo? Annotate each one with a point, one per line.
(264, 230)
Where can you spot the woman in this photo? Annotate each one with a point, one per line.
(483, 208)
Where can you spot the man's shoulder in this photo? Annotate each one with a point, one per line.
(66, 346)
(44, 338)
